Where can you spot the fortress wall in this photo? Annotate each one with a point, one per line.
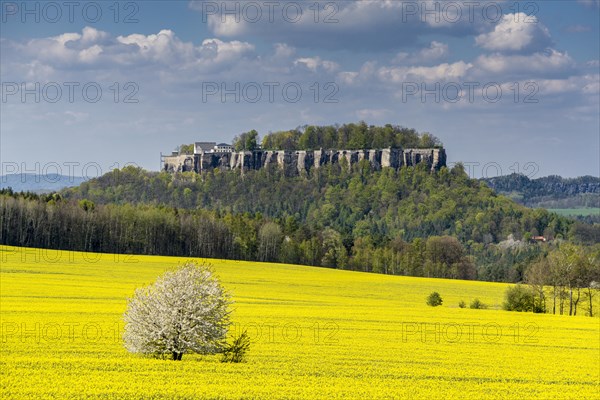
(302, 161)
(179, 163)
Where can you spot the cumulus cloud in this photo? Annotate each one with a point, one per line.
(541, 63)
(438, 73)
(93, 48)
(516, 33)
(283, 51)
(584, 84)
(365, 75)
(434, 52)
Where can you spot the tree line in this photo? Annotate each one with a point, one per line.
(560, 274)
(50, 221)
(562, 277)
(347, 136)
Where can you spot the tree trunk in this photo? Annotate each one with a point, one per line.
(177, 356)
(576, 301)
(554, 301)
(570, 300)
(544, 300)
(561, 295)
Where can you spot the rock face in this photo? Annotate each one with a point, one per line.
(298, 162)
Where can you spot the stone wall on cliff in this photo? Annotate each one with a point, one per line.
(294, 162)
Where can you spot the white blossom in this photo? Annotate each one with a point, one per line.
(184, 311)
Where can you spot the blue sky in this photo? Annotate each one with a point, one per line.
(158, 74)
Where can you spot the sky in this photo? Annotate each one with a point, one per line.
(507, 86)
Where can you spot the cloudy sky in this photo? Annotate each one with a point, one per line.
(507, 86)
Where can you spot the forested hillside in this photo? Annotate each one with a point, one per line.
(409, 203)
(550, 191)
(409, 222)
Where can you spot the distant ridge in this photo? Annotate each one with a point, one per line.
(550, 191)
(39, 183)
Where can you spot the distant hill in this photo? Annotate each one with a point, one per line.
(39, 183)
(549, 192)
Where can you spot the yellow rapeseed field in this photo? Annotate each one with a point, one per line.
(317, 334)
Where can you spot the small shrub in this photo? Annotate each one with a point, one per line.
(462, 304)
(518, 298)
(477, 305)
(434, 299)
(236, 351)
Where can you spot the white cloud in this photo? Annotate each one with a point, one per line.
(437, 73)
(162, 47)
(516, 32)
(90, 54)
(434, 52)
(96, 49)
(347, 77)
(366, 75)
(282, 50)
(92, 35)
(225, 52)
(73, 117)
(552, 61)
(64, 38)
(592, 85)
(315, 63)
(589, 3)
(372, 113)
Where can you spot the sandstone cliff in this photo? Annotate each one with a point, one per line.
(301, 161)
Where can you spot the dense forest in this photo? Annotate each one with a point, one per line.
(347, 136)
(549, 191)
(406, 222)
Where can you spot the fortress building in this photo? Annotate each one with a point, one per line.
(210, 155)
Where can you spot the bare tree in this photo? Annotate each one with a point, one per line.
(269, 240)
(185, 311)
(537, 276)
(592, 279)
(563, 261)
